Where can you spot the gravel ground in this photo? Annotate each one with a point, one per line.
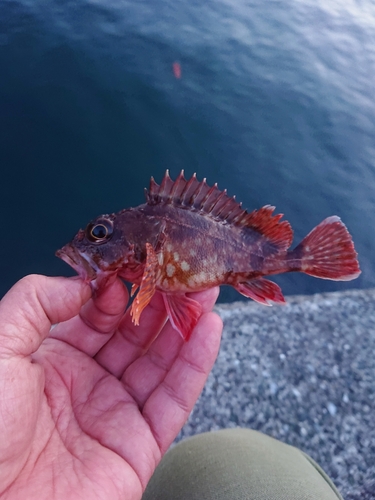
(303, 373)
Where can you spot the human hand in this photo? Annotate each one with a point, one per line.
(88, 408)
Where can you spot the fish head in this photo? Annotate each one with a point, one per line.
(99, 251)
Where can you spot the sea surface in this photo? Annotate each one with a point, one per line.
(276, 103)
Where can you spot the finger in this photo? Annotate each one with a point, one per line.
(143, 376)
(97, 320)
(32, 305)
(130, 341)
(169, 406)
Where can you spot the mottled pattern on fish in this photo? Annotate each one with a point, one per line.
(189, 236)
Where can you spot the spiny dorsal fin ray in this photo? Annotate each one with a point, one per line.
(199, 197)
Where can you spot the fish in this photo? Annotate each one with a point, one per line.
(190, 236)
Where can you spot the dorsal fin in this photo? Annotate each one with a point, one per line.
(199, 197)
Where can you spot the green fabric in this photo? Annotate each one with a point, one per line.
(238, 464)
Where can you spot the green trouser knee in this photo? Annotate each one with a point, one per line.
(238, 464)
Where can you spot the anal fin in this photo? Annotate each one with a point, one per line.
(183, 313)
(261, 290)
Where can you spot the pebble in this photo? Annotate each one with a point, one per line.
(307, 378)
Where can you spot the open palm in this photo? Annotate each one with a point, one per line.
(89, 407)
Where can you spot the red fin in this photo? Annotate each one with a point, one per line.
(199, 197)
(263, 221)
(147, 288)
(183, 313)
(327, 252)
(262, 291)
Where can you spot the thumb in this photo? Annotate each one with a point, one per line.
(32, 305)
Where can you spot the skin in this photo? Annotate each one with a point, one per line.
(88, 409)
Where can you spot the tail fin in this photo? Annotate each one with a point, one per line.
(327, 252)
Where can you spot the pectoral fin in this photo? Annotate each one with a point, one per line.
(147, 286)
(183, 313)
(261, 290)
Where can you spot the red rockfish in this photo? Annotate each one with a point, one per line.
(189, 236)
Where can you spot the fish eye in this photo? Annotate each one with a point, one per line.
(99, 231)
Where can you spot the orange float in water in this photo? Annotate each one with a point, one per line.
(176, 70)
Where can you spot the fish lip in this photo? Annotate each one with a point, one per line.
(71, 256)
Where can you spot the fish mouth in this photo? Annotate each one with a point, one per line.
(77, 261)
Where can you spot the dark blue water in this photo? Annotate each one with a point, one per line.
(276, 103)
